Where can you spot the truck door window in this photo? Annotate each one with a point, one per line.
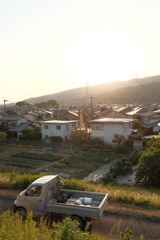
(34, 191)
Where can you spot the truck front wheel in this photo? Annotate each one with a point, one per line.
(22, 213)
(81, 222)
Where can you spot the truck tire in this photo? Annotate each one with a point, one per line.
(81, 222)
(22, 213)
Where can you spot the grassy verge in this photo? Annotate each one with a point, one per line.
(138, 196)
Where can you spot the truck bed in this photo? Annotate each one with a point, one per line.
(94, 210)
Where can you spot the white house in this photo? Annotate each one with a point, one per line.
(106, 128)
(58, 128)
(31, 116)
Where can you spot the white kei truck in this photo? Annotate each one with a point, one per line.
(45, 197)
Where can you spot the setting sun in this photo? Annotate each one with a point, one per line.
(102, 58)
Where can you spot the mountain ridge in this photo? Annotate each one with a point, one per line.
(79, 95)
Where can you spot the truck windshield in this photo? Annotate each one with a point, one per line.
(34, 191)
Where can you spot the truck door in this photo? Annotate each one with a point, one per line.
(35, 201)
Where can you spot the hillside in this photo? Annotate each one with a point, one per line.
(79, 95)
(143, 93)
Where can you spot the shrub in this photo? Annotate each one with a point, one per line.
(148, 170)
(56, 139)
(107, 179)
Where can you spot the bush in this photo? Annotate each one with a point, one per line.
(56, 139)
(120, 149)
(107, 179)
(3, 136)
(148, 170)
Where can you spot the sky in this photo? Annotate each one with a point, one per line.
(48, 46)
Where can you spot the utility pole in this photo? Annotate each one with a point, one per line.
(4, 103)
(91, 106)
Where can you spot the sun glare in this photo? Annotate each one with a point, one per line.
(103, 58)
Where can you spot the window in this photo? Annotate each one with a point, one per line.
(34, 191)
(58, 127)
(45, 126)
(114, 141)
(45, 136)
(97, 127)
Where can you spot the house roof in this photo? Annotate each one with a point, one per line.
(57, 122)
(112, 120)
(59, 112)
(150, 125)
(137, 111)
(19, 128)
(104, 113)
(124, 110)
(10, 118)
(4, 114)
(148, 114)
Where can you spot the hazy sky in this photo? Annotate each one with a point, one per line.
(47, 46)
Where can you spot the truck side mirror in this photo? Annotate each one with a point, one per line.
(26, 193)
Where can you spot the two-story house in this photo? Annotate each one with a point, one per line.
(58, 128)
(150, 120)
(106, 128)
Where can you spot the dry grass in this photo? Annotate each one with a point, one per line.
(7, 193)
(132, 210)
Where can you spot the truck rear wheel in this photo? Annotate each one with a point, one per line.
(22, 213)
(81, 222)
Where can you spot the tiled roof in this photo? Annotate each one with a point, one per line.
(148, 114)
(11, 118)
(104, 113)
(111, 120)
(59, 112)
(150, 125)
(19, 128)
(58, 122)
(137, 111)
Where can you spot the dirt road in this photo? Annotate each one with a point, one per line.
(148, 227)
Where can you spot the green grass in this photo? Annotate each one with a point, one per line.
(20, 164)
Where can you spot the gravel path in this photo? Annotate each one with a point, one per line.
(98, 174)
(128, 179)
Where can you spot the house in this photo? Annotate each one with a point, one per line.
(106, 128)
(18, 129)
(7, 121)
(150, 120)
(31, 116)
(136, 113)
(58, 128)
(65, 114)
(2, 114)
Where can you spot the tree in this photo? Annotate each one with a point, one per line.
(23, 103)
(136, 124)
(148, 170)
(79, 137)
(49, 103)
(3, 136)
